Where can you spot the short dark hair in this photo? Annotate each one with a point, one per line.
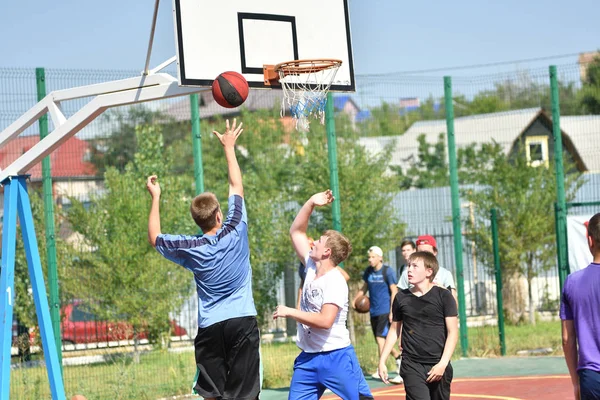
(429, 261)
(408, 242)
(204, 209)
(594, 230)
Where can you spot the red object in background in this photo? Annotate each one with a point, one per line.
(80, 325)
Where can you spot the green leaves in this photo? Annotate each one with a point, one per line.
(123, 273)
(589, 95)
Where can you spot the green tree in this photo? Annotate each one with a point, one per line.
(366, 193)
(590, 91)
(429, 169)
(391, 119)
(118, 148)
(524, 197)
(123, 274)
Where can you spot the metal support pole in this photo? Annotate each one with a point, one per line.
(333, 166)
(7, 282)
(152, 29)
(17, 201)
(40, 75)
(456, 225)
(500, 305)
(197, 143)
(561, 206)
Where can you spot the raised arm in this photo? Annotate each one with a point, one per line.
(154, 216)
(300, 224)
(228, 140)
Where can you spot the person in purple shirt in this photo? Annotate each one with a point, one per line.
(580, 315)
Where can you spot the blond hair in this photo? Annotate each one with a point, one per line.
(204, 209)
(339, 244)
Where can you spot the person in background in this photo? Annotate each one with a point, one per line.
(443, 278)
(379, 280)
(407, 247)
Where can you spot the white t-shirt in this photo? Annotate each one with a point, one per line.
(330, 288)
(443, 278)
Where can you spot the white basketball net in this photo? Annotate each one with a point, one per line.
(305, 85)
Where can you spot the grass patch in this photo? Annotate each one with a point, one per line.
(160, 373)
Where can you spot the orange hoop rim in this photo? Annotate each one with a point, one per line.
(307, 66)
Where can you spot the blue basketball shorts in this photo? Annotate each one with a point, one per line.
(336, 370)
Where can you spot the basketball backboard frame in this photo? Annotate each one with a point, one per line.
(244, 36)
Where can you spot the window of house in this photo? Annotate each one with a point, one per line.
(537, 150)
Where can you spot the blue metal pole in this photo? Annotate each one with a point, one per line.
(39, 292)
(7, 282)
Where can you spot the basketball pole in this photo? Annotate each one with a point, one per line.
(16, 200)
(151, 41)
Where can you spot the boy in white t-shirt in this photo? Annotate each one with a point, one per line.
(327, 360)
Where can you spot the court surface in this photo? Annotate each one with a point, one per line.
(508, 378)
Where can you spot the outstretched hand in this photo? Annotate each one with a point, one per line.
(153, 186)
(323, 198)
(231, 134)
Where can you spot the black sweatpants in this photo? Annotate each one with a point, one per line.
(415, 376)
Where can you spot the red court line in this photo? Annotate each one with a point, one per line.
(537, 387)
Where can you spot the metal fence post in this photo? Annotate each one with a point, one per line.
(500, 305)
(333, 166)
(456, 225)
(40, 78)
(561, 207)
(197, 143)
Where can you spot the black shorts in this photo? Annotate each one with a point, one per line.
(415, 376)
(380, 325)
(228, 360)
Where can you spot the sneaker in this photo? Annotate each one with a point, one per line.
(397, 380)
(375, 375)
(399, 363)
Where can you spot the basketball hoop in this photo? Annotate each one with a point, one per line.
(305, 84)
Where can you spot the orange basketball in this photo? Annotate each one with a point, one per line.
(78, 397)
(362, 304)
(230, 89)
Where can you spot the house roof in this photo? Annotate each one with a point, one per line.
(502, 127)
(584, 132)
(67, 161)
(340, 101)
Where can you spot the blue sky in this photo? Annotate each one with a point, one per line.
(388, 35)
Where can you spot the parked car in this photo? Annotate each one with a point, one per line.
(80, 325)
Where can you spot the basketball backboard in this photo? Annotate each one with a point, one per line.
(215, 36)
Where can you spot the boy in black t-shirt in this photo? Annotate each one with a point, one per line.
(426, 315)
